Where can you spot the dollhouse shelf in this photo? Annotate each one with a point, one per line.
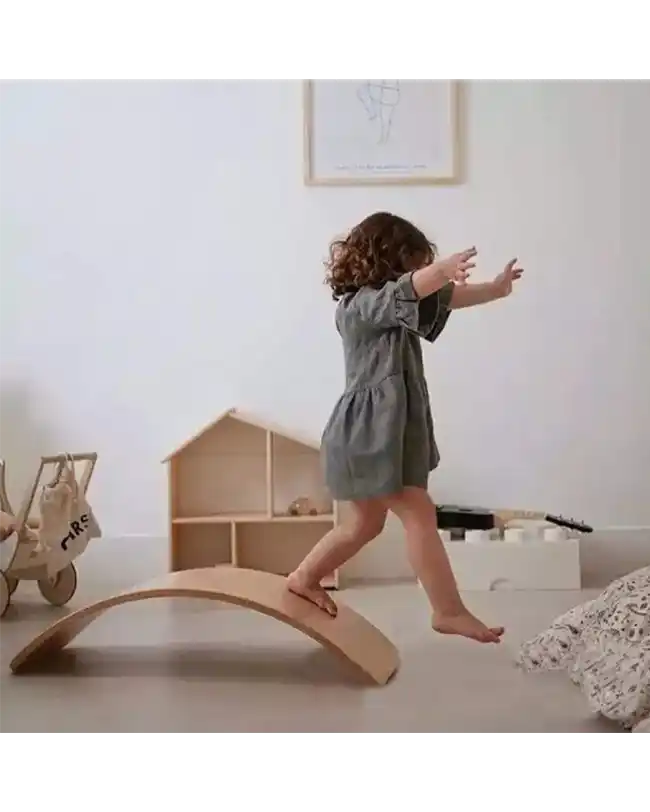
(230, 487)
(224, 518)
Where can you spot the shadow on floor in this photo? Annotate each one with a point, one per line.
(203, 663)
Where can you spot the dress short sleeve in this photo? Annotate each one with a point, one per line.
(396, 304)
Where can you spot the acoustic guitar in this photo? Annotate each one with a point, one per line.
(476, 518)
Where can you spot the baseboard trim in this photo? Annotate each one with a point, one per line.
(121, 561)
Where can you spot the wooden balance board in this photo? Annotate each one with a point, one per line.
(349, 636)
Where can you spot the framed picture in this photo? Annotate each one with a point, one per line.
(382, 131)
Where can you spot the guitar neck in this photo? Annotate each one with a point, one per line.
(506, 515)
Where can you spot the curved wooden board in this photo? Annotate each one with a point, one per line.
(349, 635)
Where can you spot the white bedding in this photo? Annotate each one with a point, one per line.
(604, 645)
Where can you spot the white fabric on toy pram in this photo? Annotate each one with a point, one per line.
(604, 645)
(67, 522)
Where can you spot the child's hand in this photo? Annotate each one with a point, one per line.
(456, 268)
(503, 282)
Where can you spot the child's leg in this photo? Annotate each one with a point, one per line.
(429, 560)
(333, 550)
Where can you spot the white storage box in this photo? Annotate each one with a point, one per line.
(528, 564)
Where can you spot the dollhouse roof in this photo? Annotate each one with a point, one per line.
(251, 420)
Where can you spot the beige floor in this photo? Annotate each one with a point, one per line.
(192, 666)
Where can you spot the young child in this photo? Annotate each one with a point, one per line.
(378, 446)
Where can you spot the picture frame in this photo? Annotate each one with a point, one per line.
(382, 132)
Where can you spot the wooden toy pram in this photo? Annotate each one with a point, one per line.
(42, 549)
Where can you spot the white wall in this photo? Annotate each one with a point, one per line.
(161, 261)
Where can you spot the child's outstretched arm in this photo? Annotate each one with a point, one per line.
(435, 276)
(471, 295)
(498, 288)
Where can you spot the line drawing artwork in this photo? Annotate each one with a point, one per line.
(380, 98)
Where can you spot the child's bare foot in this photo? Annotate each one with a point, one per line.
(314, 594)
(466, 625)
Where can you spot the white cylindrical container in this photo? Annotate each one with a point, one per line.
(477, 536)
(554, 534)
(534, 531)
(514, 534)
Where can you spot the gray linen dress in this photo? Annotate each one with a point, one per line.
(379, 438)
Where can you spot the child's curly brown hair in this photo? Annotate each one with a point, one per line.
(381, 248)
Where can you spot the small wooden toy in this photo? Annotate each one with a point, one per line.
(302, 506)
(43, 549)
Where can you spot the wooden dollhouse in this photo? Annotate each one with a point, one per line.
(245, 493)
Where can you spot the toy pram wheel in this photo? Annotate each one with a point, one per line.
(12, 583)
(5, 594)
(61, 588)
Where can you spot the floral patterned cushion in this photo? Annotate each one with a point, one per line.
(604, 645)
